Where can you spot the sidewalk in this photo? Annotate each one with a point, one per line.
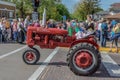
(107, 48)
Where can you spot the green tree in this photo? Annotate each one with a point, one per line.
(62, 10)
(86, 7)
(54, 10)
(50, 8)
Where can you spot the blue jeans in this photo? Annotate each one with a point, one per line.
(103, 40)
(114, 38)
(15, 35)
(98, 34)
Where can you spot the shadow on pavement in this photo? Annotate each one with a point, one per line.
(58, 64)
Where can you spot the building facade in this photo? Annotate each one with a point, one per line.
(101, 14)
(7, 10)
(115, 8)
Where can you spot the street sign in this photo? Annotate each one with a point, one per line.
(35, 16)
(64, 18)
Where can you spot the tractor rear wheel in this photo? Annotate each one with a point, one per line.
(83, 59)
(31, 56)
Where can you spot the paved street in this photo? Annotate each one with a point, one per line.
(13, 68)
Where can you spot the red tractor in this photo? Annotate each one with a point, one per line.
(83, 57)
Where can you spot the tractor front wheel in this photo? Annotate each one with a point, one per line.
(83, 59)
(31, 56)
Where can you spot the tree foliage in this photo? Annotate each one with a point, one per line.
(86, 7)
(54, 10)
(62, 10)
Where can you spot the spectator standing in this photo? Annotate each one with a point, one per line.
(21, 30)
(15, 30)
(103, 36)
(113, 23)
(58, 25)
(115, 34)
(2, 28)
(69, 28)
(77, 26)
(0, 31)
(73, 25)
(27, 22)
(51, 24)
(90, 24)
(109, 28)
(4, 31)
(37, 24)
(8, 29)
(64, 25)
(99, 29)
(7, 24)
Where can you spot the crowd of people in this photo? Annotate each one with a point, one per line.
(14, 30)
(108, 30)
(104, 29)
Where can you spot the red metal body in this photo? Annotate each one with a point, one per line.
(53, 37)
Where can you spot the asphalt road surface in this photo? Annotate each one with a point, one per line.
(51, 66)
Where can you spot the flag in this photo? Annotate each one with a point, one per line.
(44, 18)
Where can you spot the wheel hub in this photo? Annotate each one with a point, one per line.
(29, 56)
(83, 59)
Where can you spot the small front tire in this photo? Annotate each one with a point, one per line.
(30, 56)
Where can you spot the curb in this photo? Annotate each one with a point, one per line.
(106, 50)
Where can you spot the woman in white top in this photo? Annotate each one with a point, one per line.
(21, 30)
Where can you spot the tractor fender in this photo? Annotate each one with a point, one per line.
(84, 41)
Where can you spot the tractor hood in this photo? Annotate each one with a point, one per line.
(53, 31)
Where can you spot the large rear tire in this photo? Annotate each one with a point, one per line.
(83, 59)
(31, 56)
